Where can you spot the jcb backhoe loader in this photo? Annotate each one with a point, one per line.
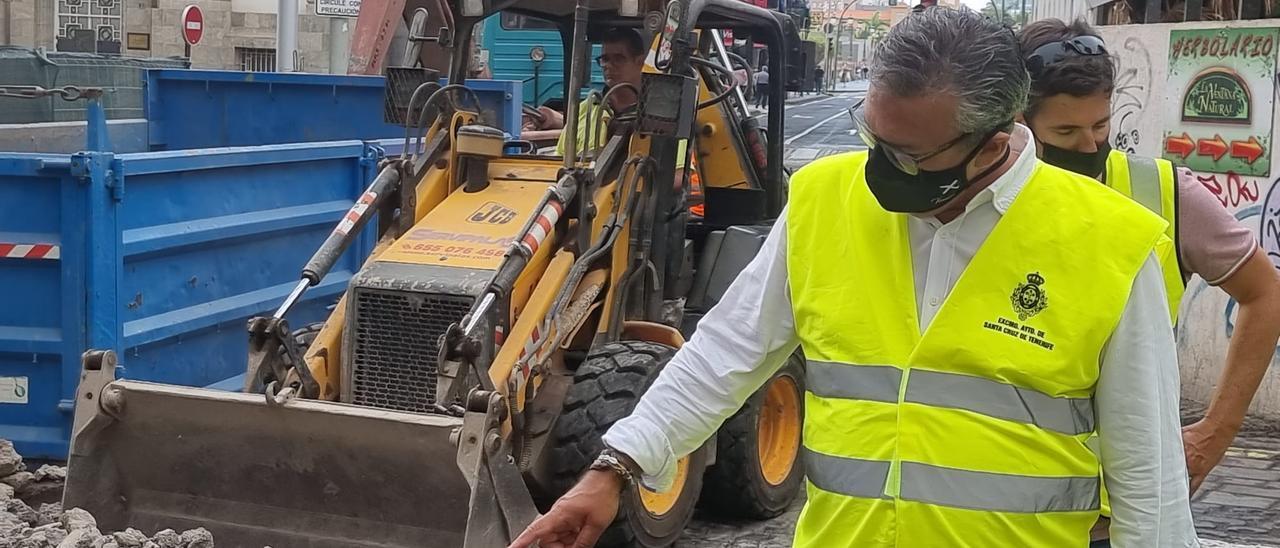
(514, 308)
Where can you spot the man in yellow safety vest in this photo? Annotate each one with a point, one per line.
(970, 317)
(1069, 111)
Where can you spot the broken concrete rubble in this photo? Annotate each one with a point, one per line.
(21, 526)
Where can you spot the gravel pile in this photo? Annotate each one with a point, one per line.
(31, 517)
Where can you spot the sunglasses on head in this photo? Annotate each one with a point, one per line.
(1055, 52)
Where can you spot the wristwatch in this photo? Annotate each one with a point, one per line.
(612, 461)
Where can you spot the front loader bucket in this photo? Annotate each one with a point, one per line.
(306, 473)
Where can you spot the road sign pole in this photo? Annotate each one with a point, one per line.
(192, 28)
(286, 35)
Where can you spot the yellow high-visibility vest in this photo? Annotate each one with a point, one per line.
(972, 433)
(1151, 182)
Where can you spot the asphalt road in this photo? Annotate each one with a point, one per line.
(818, 126)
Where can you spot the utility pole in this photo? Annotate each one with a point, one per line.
(839, 30)
(286, 35)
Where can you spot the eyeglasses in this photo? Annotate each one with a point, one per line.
(906, 162)
(612, 59)
(1055, 52)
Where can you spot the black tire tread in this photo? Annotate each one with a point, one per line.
(606, 388)
(726, 490)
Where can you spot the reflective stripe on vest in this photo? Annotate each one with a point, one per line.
(847, 476)
(966, 489)
(994, 399)
(867, 382)
(1153, 184)
(997, 492)
(1144, 182)
(1069, 416)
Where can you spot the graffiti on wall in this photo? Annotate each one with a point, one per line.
(1269, 224)
(1230, 189)
(1220, 99)
(1132, 94)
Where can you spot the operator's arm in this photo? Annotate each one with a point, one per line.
(1225, 254)
(739, 344)
(1137, 410)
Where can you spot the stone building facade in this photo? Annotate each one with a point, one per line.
(238, 34)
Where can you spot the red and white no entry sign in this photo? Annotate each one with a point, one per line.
(192, 24)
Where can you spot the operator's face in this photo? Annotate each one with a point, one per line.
(619, 65)
(1073, 123)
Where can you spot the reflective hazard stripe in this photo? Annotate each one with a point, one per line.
(1003, 401)
(997, 492)
(855, 382)
(542, 226)
(846, 476)
(1144, 183)
(30, 251)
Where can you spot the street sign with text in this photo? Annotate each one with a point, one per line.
(338, 8)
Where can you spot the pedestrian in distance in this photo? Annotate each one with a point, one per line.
(762, 87)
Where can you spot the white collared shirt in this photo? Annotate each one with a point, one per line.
(747, 337)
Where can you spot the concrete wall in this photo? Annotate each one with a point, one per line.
(229, 24)
(1143, 109)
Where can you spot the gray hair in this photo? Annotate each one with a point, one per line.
(944, 50)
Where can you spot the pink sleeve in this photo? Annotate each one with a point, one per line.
(1211, 242)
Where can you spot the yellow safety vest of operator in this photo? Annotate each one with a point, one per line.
(1151, 182)
(971, 434)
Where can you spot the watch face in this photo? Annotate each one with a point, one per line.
(537, 54)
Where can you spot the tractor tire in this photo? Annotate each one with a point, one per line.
(758, 469)
(606, 388)
(304, 336)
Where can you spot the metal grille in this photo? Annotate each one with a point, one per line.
(94, 21)
(396, 346)
(400, 85)
(256, 59)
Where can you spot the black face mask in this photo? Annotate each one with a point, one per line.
(1089, 164)
(926, 190)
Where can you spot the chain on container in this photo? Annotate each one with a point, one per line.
(67, 93)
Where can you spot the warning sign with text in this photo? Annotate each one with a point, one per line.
(338, 8)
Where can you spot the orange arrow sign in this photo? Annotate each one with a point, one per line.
(1182, 146)
(1249, 151)
(1216, 147)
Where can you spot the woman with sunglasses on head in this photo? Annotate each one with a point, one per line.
(1069, 111)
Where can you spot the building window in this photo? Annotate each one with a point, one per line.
(90, 25)
(256, 59)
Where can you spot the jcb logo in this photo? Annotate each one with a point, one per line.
(492, 213)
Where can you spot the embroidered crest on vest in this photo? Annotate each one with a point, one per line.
(1029, 298)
